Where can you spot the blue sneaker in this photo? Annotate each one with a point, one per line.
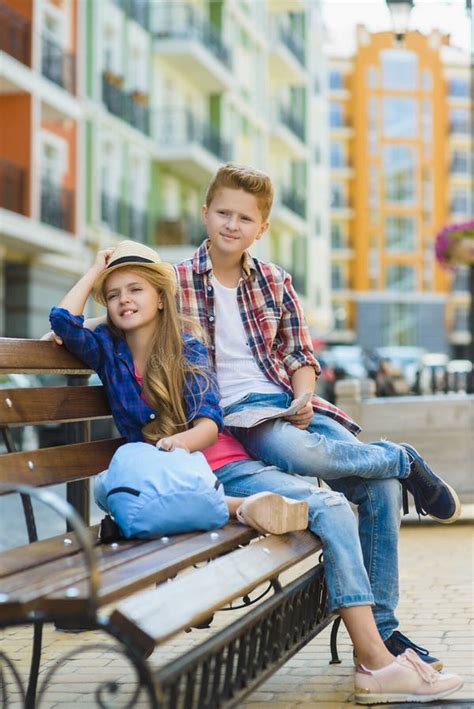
(397, 643)
(432, 495)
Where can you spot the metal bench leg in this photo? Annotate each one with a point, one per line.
(34, 666)
(334, 656)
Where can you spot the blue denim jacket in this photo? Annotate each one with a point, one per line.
(111, 358)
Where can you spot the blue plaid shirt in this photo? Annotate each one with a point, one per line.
(111, 358)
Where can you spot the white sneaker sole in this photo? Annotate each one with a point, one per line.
(401, 698)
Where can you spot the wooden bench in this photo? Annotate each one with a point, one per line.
(68, 579)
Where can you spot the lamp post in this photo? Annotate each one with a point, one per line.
(400, 11)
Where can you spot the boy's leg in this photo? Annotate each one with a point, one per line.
(325, 449)
(330, 518)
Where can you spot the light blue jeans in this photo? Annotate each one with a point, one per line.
(330, 517)
(367, 474)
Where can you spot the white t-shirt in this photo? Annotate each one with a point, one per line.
(238, 374)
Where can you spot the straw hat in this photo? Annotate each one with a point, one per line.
(128, 254)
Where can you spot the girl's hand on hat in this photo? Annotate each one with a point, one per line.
(170, 443)
(102, 258)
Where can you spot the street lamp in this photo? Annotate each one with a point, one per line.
(400, 11)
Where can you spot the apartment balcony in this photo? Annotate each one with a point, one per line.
(58, 66)
(190, 43)
(289, 132)
(184, 231)
(57, 206)
(15, 34)
(131, 107)
(290, 199)
(12, 186)
(289, 212)
(190, 144)
(124, 218)
(287, 57)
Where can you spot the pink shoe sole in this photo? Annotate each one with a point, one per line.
(270, 513)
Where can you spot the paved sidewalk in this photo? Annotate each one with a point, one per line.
(436, 610)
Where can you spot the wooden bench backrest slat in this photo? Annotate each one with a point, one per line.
(48, 466)
(155, 615)
(59, 404)
(38, 357)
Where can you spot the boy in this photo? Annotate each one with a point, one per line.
(263, 356)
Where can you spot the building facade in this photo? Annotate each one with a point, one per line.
(400, 157)
(115, 115)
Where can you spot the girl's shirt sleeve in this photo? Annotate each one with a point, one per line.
(79, 340)
(201, 392)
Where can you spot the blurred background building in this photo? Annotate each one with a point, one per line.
(115, 114)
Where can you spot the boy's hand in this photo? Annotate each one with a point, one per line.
(170, 443)
(303, 417)
(51, 337)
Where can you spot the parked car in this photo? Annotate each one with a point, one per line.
(347, 361)
(407, 359)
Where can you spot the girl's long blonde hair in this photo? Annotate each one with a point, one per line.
(166, 367)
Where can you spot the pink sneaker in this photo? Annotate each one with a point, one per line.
(407, 679)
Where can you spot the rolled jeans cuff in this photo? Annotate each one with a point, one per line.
(349, 601)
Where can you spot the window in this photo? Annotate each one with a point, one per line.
(400, 234)
(399, 69)
(338, 276)
(338, 199)
(427, 80)
(372, 77)
(337, 155)
(460, 202)
(460, 319)
(400, 324)
(460, 162)
(459, 120)
(372, 106)
(336, 116)
(427, 121)
(399, 117)
(373, 142)
(338, 236)
(400, 278)
(373, 187)
(399, 167)
(458, 87)
(460, 282)
(336, 81)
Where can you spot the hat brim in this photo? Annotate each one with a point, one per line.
(164, 268)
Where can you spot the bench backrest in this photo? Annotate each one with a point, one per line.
(78, 458)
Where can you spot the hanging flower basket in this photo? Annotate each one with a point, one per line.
(454, 244)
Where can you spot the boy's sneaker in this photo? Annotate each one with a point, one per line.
(397, 643)
(432, 495)
(407, 679)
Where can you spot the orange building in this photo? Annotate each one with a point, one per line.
(392, 189)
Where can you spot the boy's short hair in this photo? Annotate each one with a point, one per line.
(241, 177)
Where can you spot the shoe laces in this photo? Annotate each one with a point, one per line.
(411, 659)
(416, 499)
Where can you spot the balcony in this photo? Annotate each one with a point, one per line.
(57, 206)
(58, 66)
(292, 121)
(191, 44)
(289, 132)
(288, 56)
(294, 43)
(184, 231)
(15, 35)
(191, 144)
(138, 10)
(130, 107)
(123, 218)
(12, 186)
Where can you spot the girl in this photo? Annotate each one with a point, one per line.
(161, 392)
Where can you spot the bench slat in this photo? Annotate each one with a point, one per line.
(154, 616)
(49, 466)
(37, 357)
(60, 404)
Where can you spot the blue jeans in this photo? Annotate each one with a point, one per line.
(366, 473)
(330, 517)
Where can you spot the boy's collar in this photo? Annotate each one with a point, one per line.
(202, 261)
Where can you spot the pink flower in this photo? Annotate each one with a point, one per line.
(448, 237)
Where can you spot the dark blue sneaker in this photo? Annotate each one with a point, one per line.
(397, 643)
(432, 495)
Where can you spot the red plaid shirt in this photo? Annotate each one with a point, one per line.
(271, 314)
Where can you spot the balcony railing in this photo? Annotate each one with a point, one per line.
(293, 43)
(293, 201)
(12, 186)
(57, 206)
(124, 218)
(179, 127)
(130, 107)
(138, 10)
(58, 66)
(181, 21)
(15, 34)
(296, 124)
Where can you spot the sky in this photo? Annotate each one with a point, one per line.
(341, 17)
